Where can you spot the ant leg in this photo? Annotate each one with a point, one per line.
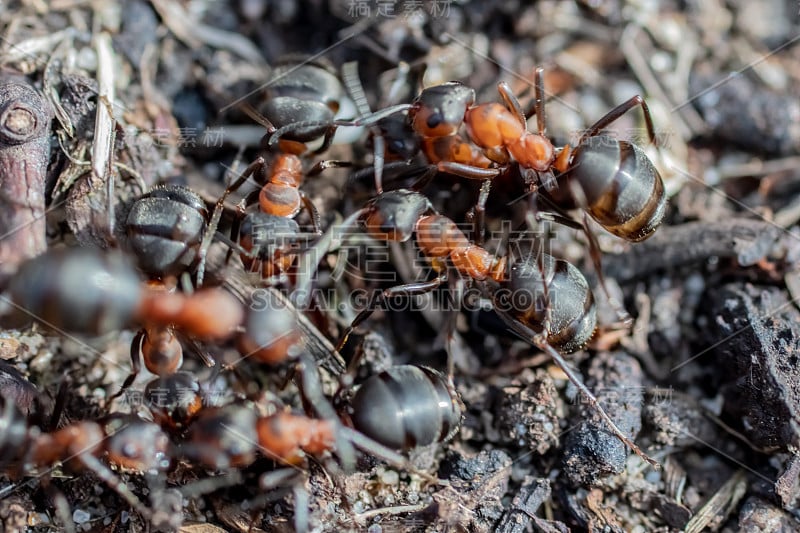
(594, 254)
(511, 102)
(309, 261)
(136, 350)
(233, 246)
(383, 453)
(316, 219)
(559, 219)
(302, 503)
(274, 137)
(480, 212)
(236, 227)
(597, 262)
(257, 166)
(193, 489)
(377, 116)
(617, 112)
(327, 140)
(410, 289)
(468, 171)
(356, 90)
(60, 405)
(541, 343)
(206, 358)
(326, 164)
(538, 79)
(548, 312)
(378, 159)
(257, 117)
(456, 285)
(538, 101)
(106, 475)
(60, 504)
(312, 395)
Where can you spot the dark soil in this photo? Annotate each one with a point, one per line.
(706, 380)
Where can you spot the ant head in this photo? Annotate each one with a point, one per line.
(401, 141)
(439, 110)
(137, 445)
(174, 400)
(222, 437)
(393, 215)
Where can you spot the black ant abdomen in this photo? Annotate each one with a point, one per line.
(165, 230)
(405, 407)
(78, 290)
(570, 302)
(624, 192)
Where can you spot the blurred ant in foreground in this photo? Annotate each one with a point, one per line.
(131, 444)
(86, 292)
(559, 317)
(82, 291)
(234, 435)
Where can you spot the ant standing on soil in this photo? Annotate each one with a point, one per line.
(560, 315)
(82, 291)
(613, 181)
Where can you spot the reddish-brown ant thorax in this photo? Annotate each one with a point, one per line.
(280, 196)
(161, 351)
(208, 314)
(473, 261)
(533, 151)
(437, 236)
(492, 126)
(285, 437)
(280, 200)
(73, 440)
(454, 149)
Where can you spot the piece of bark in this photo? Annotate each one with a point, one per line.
(25, 118)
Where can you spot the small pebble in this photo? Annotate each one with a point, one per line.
(79, 516)
(390, 477)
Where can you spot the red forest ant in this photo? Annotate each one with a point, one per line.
(561, 318)
(612, 180)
